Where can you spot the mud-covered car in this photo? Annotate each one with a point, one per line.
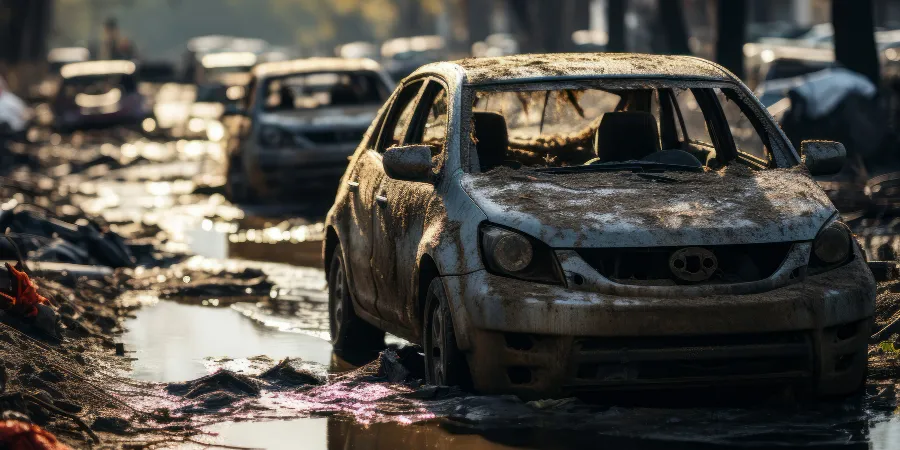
(544, 225)
(300, 122)
(98, 94)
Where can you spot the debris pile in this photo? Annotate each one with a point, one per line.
(884, 353)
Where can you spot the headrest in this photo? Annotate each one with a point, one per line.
(626, 136)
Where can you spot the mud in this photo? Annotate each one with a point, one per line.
(489, 70)
(628, 202)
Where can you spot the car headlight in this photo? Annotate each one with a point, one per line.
(513, 254)
(833, 246)
(270, 136)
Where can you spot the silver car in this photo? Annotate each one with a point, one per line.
(298, 124)
(552, 224)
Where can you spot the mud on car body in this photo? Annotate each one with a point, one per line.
(549, 224)
(300, 122)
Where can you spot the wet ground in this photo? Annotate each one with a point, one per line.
(174, 191)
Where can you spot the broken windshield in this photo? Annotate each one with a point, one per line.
(679, 127)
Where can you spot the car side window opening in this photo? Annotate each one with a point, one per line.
(571, 127)
(401, 114)
(432, 130)
(747, 136)
(694, 120)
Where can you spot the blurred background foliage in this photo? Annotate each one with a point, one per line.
(162, 26)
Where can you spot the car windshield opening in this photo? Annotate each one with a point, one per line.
(324, 89)
(652, 129)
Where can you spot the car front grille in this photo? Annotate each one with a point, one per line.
(736, 263)
(708, 359)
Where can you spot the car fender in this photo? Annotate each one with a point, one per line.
(450, 239)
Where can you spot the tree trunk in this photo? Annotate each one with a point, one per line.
(731, 27)
(550, 27)
(410, 20)
(521, 18)
(671, 19)
(478, 19)
(615, 23)
(854, 37)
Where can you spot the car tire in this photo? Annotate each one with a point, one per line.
(445, 364)
(351, 337)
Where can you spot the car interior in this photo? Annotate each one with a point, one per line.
(699, 128)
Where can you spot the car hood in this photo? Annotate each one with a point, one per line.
(624, 209)
(349, 117)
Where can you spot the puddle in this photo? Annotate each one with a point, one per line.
(340, 434)
(275, 435)
(172, 341)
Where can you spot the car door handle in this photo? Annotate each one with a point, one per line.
(381, 200)
(353, 186)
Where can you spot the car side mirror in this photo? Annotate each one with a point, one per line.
(823, 157)
(408, 163)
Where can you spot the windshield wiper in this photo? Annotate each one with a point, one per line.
(634, 166)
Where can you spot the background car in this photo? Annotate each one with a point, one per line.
(99, 94)
(301, 122)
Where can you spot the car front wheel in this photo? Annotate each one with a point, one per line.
(351, 337)
(445, 364)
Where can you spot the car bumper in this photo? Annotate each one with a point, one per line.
(282, 169)
(534, 340)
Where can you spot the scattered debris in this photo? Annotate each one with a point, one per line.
(292, 372)
(223, 380)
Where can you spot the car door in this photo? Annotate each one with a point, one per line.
(400, 217)
(363, 181)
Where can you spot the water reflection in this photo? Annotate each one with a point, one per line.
(171, 341)
(308, 434)
(340, 434)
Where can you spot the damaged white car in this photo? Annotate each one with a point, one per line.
(553, 224)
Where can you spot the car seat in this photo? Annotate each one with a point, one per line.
(342, 95)
(287, 98)
(626, 136)
(492, 139)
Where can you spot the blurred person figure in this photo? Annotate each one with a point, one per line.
(114, 45)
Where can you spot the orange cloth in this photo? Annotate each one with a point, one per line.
(27, 298)
(18, 435)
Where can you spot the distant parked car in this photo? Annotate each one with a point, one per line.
(300, 122)
(99, 94)
(552, 224)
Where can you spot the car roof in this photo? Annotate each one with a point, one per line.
(547, 67)
(88, 68)
(306, 65)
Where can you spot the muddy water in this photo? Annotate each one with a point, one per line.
(174, 341)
